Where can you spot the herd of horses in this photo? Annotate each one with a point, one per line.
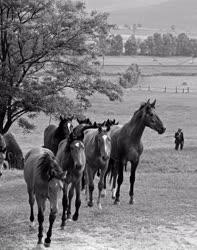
(71, 157)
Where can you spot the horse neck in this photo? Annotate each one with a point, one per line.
(59, 133)
(135, 128)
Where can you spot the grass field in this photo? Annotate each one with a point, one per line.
(164, 215)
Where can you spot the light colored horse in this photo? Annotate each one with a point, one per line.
(42, 175)
(97, 148)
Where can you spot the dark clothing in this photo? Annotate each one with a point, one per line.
(179, 140)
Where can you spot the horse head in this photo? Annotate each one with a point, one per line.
(103, 141)
(65, 125)
(76, 149)
(151, 119)
(2, 152)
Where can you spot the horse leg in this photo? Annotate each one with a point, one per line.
(41, 208)
(83, 181)
(132, 180)
(70, 196)
(77, 201)
(64, 204)
(52, 217)
(101, 184)
(90, 174)
(120, 166)
(114, 177)
(31, 203)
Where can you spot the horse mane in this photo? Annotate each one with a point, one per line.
(134, 120)
(2, 143)
(44, 165)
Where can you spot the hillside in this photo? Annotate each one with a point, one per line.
(181, 13)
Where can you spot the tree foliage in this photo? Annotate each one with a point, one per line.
(130, 77)
(131, 46)
(46, 48)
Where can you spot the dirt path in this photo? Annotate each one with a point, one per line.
(163, 217)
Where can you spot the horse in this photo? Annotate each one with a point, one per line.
(127, 145)
(84, 121)
(53, 134)
(43, 177)
(97, 148)
(3, 150)
(71, 158)
(14, 154)
(179, 139)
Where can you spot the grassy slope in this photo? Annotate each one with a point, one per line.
(165, 211)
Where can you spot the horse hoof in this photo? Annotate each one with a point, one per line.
(47, 242)
(62, 227)
(39, 242)
(90, 204)
(103, 194)
(113, 197)
(69, 219)
(116, 202)
(75, 217)
(131, 201)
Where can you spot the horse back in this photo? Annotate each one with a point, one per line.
(31, 163)
(49, 137)
(89, 142)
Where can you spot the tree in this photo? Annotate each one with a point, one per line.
(45, 49)
(169, 45)
(131, 46)
(116, 46)
(130, 77)
(183, 45)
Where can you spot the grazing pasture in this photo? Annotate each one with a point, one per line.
(164, 214)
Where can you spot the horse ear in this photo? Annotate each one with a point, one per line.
(153, 104)
(78, 120)
(148, 102)
(108, 127)
(61, 118)
(100, 129)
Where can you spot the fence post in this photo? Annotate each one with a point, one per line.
(176, 90)
(165, 89)
(183, 90)
(148, 87)
(187, 89)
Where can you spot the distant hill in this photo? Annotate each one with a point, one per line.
(181, 13)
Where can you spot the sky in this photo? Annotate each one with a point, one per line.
(110, 5)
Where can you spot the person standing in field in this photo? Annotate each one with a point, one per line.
(179, 139)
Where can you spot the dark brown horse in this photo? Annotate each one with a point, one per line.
(127, 145)
(42, 175)
(72, 160)
(14, 154)
(3, 150)
(53, 135)
(97, 148)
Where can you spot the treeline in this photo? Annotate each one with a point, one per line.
(155, 45)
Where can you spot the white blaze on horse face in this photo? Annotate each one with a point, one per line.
(107, 151)
(69, 126)
(77, 144)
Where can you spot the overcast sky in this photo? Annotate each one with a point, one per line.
(110, 5)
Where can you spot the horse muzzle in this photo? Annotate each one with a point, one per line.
(162, 130)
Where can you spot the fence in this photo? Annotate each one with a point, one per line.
(165, 89)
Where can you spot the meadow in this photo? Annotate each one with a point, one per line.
(164, 215)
